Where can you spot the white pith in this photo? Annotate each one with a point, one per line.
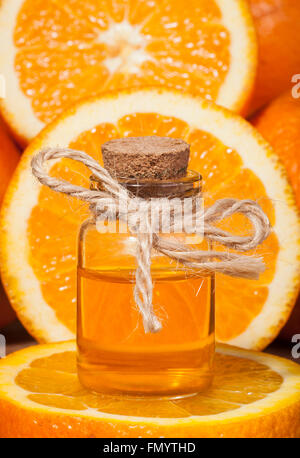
(240, 45)
(230, 130)
(131, 43)
(17, 108)
(288, 392)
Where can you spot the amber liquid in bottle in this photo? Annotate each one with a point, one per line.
(115, 354)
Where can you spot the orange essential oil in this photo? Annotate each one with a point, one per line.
(115, 354)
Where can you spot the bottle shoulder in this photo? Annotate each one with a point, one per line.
(111, 250)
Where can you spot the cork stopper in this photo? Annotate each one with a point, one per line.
(158, 158)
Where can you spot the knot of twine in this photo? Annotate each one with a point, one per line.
(115, 196)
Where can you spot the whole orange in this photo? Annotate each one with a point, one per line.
(9, 157)
(278, 26)
(279, 123)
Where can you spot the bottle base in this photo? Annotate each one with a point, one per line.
(159, 384)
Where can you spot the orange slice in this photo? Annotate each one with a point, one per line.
(39, 226)
(253, 395)
(57, 52)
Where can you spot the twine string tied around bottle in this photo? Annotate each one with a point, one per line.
(116, 200)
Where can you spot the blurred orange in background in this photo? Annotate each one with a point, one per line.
(279, 123)
(9, 157)
(278, 25)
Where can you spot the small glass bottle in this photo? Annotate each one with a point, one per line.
(115, 355)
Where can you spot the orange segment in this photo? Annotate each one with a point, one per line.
(206, 153)
(60, 246)
(253, 395)
(231, 317)
(90, 141)
(247, 185)
(50, 23)
(62, 286)
(138, 124)
(249, 313)
(63, 51)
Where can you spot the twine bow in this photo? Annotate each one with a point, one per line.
(115, 196)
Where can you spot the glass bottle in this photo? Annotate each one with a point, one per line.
(115, 355)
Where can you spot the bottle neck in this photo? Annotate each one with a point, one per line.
(188, 186)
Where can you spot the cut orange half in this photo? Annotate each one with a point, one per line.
(39, 226)
(253, 395)
(57, 52)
